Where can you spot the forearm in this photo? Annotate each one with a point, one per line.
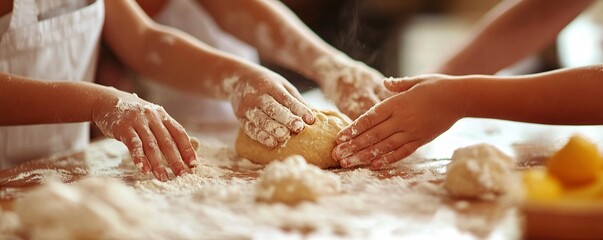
(278, 35)
(170, 56)
(26, 101)
(512, 31)
(569, 96)
(193, 66)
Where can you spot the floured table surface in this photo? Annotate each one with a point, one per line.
(405, 200)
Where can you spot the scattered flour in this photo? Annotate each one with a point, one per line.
(154, 58)
(219, 202)
(168, 39)
(46, 175)
(9, 224)
(246, 164)
(92, 208)
(228, 85)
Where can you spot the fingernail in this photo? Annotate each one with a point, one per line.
(161, 176)
(157, 175)
(308, 118)
(377, 164)
(193, 161)
(344, 163)
(298, 126)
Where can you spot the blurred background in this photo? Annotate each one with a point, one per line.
(409, 37)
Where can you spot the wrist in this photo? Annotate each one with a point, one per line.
(103, 97)
(329, 68)
(313, 56)
(458, 96)
(230, 77)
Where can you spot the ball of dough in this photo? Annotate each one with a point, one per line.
(314, 143)
(293, 180)
(478, 171)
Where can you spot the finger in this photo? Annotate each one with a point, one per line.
(365, 122)
(293, 91)
(401, 84)
(309, 119)
(183, 142)
(151, 151)
(258, 134)
(266, 123)
(366, 155)
(396, 155)
(134, 144)
(167, 145)
(297, 107)
(372, 136)
(281, 114)
(382, 92)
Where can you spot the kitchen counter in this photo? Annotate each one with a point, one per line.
(408, 195)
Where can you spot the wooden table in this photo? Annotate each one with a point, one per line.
(529, 143)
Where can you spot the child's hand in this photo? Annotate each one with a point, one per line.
(352, 85)
(148, 132)
(269, 108)
(393, 129)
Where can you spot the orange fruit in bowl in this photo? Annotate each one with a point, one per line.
(593, 191)
(577, 164)
(539, 185)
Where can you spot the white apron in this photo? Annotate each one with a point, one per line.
(50, 40)
(191, 18)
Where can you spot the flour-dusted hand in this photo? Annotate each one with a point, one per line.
(269, 108)
(148, 132)
(393, 129)
(352, 85)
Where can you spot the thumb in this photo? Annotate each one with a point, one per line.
(401, 84)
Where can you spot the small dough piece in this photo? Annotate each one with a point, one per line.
(293, 180)
(314, 143)
(479, 171)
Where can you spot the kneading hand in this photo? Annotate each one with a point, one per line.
(393, 129)
(148, 132)
(352, 85)
(269, 108)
